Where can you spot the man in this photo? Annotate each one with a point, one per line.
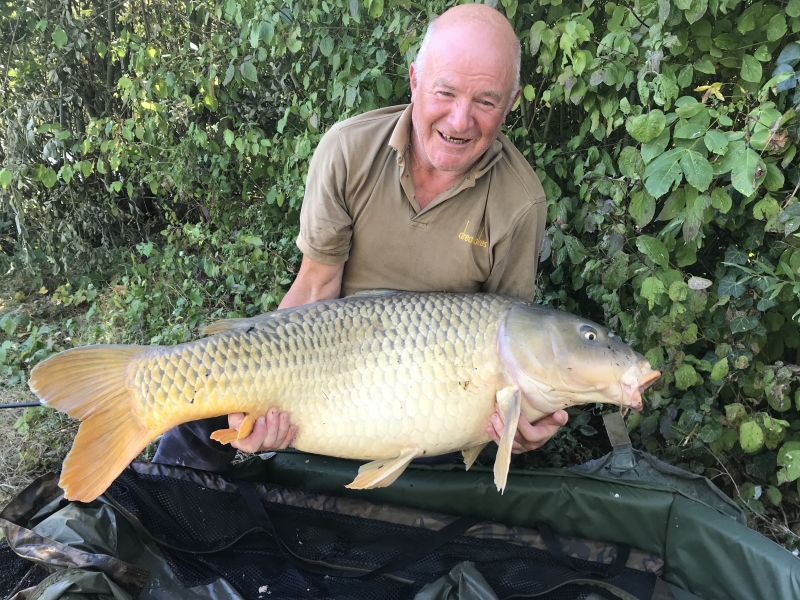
(428, 197)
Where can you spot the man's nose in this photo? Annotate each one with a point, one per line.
(461, 115)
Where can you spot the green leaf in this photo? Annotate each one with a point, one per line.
(385, 86)
(326, 46)
(743, 323)
(689, 130)
(252, 240)
(766, 208)
(655, 147)
(704, 65)
(697, 169)
(5, 177)
(789, 459)
(87, 167)
(66, 174)
(729, 286)
(651, 288)
(774, 495)
(529, 92)
(630, 163)
(751, 69)
(59, 37)
(751, 437)
(776, 28)
(228, 136)
(716, 141)
(642, 207)
(267, 31)
(654, 249)
(375, 8)
(762, 54)
(693, 220)
(229, 74)
(793, 8)
(248, 71)
(735, 413)
(48, 177)
(721, 200)
(696, 10)
(647, 126)
(685, 377)
(744, 165)
(774, 179)
(663, 172)
(129, 189)
(255, 35)
(720, 370)
(536, 36)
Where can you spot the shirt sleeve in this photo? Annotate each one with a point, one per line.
(326, 226)
(517, 255)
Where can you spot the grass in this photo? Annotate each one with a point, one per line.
(36, 446)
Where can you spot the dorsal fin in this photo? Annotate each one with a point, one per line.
(224, 325)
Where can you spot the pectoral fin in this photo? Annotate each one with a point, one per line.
(470, 454)
(381, 473)
(512, 397)
(226, 436)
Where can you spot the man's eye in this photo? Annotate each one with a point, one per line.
(487, 103)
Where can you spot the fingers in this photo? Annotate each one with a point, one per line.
(271, 432)
(529, 436)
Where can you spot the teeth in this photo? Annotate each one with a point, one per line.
(453, 140)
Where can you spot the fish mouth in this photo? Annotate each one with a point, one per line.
(635, 381)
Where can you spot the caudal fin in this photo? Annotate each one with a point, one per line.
(90, 384)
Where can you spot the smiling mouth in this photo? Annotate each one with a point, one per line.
(453, 140)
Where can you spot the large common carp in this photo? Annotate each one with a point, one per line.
(385, 377)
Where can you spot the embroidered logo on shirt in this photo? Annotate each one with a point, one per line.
(476, 241)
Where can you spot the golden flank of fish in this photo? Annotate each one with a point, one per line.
(385, 377)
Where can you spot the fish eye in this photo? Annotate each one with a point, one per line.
(590, 333)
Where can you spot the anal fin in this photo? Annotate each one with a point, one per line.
(470, 454)
(502, 462)
(381, 473)
(226, 436)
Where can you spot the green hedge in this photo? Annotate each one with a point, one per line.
(174, 138)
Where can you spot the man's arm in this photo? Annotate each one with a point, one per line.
(314, 282)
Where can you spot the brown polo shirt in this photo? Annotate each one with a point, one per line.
(482, 234)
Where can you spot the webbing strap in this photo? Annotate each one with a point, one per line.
(420, 550)
(554, 547)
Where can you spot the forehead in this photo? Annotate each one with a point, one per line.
(468, 50)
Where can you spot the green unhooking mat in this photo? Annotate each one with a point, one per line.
(166, 532)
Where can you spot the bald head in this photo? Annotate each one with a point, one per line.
(475, 24)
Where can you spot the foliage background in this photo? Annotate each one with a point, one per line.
(154, 154)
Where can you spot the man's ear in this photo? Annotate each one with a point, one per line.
(412, 76)
(513, 101)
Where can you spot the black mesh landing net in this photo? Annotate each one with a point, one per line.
(206, 534)
(17, 573)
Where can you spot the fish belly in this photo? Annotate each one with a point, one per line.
(363, 377)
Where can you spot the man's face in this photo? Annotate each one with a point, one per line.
(461, 98)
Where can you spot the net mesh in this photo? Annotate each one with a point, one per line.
(17, 573)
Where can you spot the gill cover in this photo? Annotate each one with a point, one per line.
(558, 359)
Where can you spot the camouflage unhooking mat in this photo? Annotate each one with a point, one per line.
(170, 532)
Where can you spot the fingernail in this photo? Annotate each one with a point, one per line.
(261, 420)
(495, 419)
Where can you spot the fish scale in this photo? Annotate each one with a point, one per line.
(393, 375)
(384, 377)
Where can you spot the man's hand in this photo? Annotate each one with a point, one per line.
(275, 432)
(529, 436)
